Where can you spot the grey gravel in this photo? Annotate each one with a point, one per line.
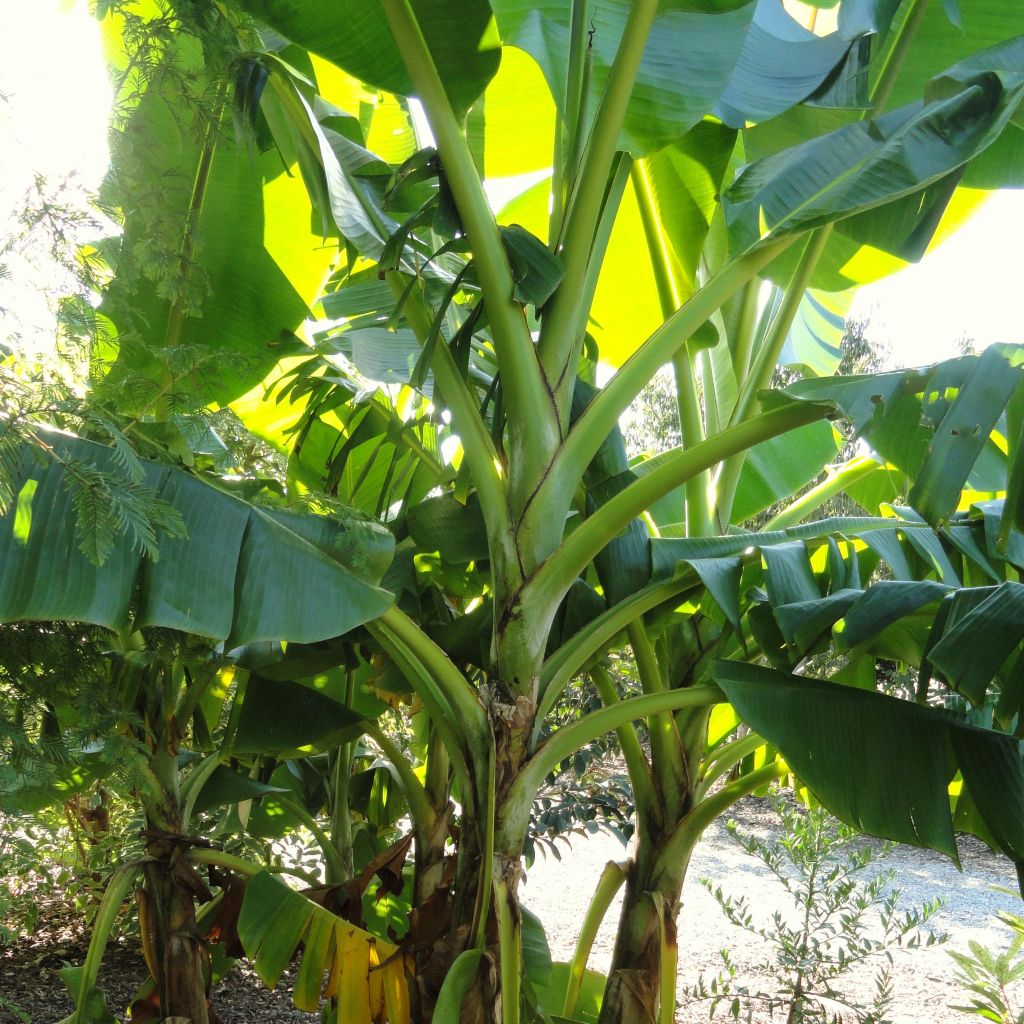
(559, 893)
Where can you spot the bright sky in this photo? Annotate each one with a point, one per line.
(970, 286)
(56, 109)
(52, 121)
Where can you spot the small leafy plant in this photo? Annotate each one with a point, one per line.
(57, 862)
(989, 976)
(16, 1012)
(842, 916)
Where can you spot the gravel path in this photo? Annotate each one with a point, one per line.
(560, 891)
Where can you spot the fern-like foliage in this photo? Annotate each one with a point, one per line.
(56, 709)
(107, 503)
(106, 506)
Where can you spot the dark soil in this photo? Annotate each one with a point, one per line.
(29, 981)
(32, 991)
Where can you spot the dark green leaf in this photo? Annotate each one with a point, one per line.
(281, 716)
(776, 469)
(243, 571)
(457, 982)
(883, 604)
(868, 163)
(789, 573)
(226, 786)
(803, 623)
(456, 531)
(932, 424)
(972, 650)
(356, 36)
(536, 270)
(536, 953)
(963, 432)
(881, 764)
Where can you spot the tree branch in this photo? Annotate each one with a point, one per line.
(555, 576)
(632, 752)
(573, 655)
(521, 372)
(480, 453)
(569, 738)
(687, 833)
(565, 317)
(453, 685)
(437, 706)
(420, 810)
(602, 414)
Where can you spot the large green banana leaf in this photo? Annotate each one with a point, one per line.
(357, 447)
(218, 263)
(279, 716)
(815, 340)
(511, 127)
(792, 593)
(742, 61)
(198, 235)
(906, 414)
(933, 425)
(883, 765)
(803, 590)
(868, 163)
(873, 240)
(969, 638)
(812, 585)
(244, 303)
(355, 35)
(936, 47)
(694, 177)
(242, 574)
(876, 243)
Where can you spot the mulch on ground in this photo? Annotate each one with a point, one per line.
(29, 980)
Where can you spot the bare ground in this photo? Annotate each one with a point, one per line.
(559, 893)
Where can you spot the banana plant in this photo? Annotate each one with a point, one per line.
(820, 195)
(167, 698)
(686, 155)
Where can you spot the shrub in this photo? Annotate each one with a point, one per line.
(840, 916)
